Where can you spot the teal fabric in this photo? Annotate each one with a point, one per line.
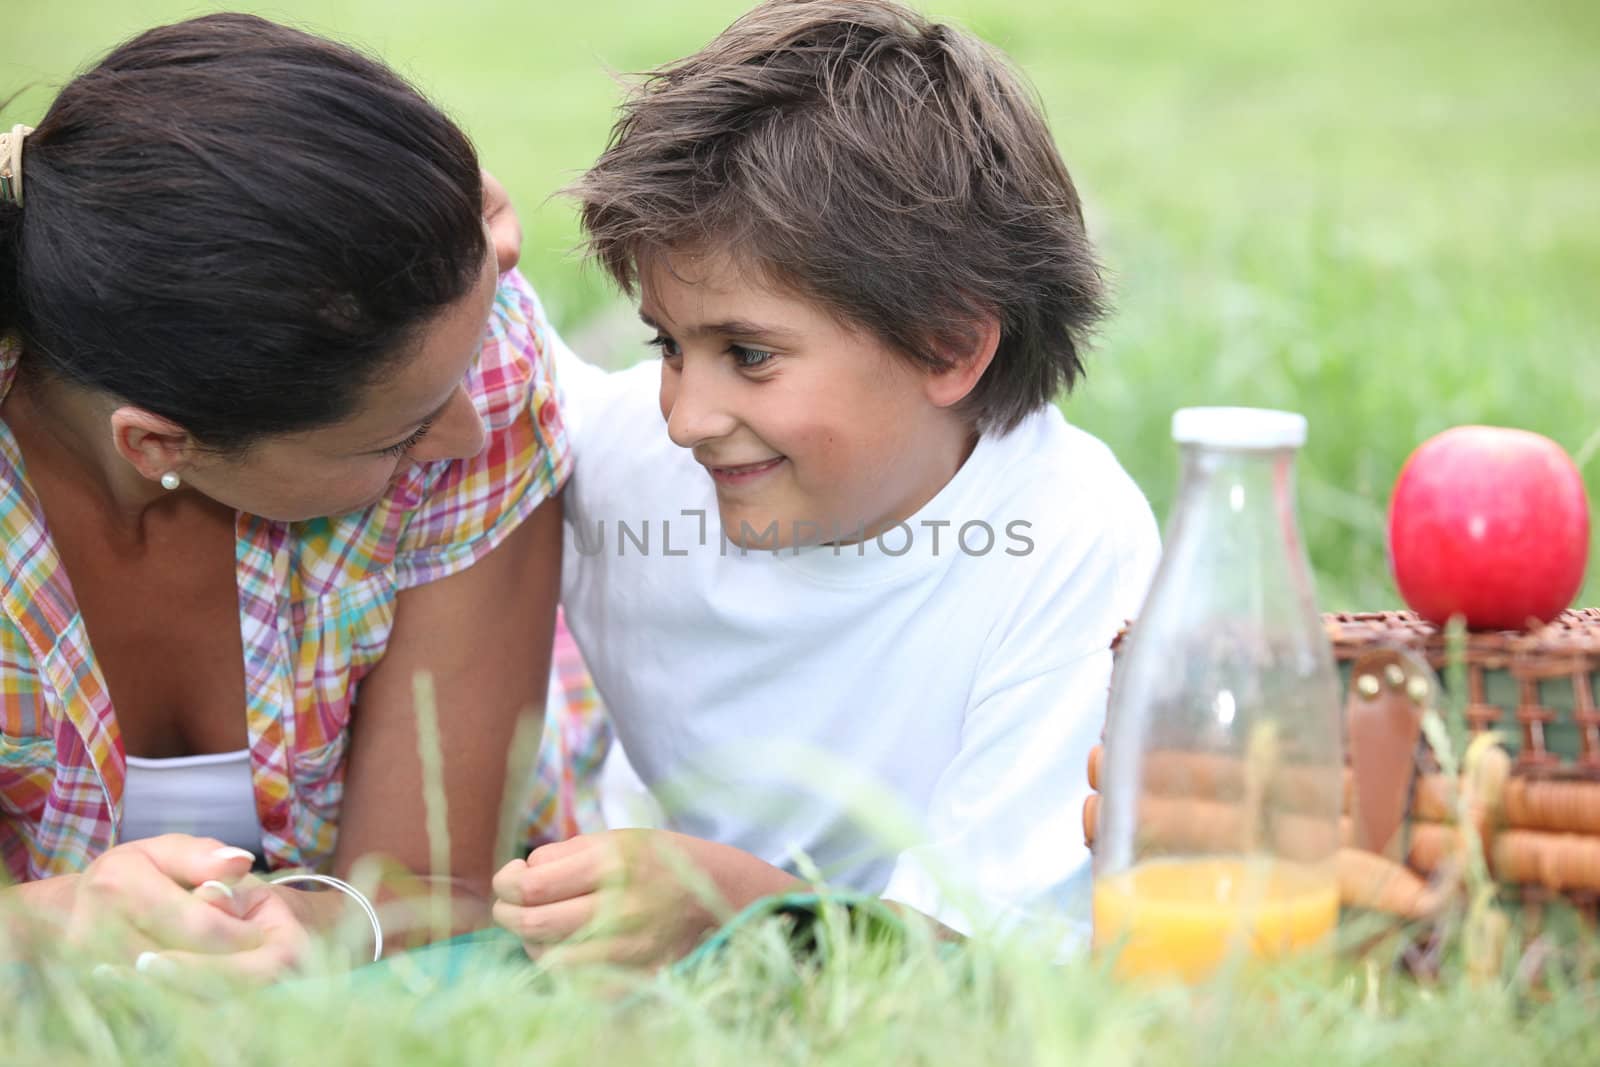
(447, 961)
(803, 910)
(421, 969)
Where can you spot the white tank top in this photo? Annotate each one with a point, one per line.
(208, 796)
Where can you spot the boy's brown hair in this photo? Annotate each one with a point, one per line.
(896, 171)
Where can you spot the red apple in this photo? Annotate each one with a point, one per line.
(1489, 523)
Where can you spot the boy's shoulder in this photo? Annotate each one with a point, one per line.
(1090, 543)
(622, 452)
(598, 403)
(1049, 468)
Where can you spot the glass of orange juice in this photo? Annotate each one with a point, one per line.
(1220, 798)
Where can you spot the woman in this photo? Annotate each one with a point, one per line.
(260, 464)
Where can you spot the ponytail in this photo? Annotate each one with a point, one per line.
(10, 266)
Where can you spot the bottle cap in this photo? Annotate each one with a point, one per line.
(1246, 428)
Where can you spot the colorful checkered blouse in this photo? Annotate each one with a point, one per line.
(317, 602)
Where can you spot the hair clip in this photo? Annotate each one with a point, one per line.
(11, 163)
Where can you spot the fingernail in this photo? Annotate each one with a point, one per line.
(214, 889)
(231, 853)
(154, 964)
(105, 972)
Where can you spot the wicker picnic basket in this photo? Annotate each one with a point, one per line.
(1534, 803)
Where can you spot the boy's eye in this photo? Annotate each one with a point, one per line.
(748, 358)
(668, 347)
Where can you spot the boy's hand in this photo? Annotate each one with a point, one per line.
(639, 897)
(505, 230)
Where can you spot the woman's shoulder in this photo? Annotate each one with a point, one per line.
(515, 367)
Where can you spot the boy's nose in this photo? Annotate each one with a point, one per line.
(457, 432)
(692, 405)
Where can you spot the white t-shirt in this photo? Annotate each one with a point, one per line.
(912, 715)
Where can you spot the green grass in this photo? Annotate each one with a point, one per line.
(872, 1003)
(1382, 214)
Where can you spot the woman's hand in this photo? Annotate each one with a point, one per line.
(642, 897)
(279, 918)
(178, 902)
(504, 227)
(142, 895)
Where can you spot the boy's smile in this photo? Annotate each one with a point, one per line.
(743, 474)
(812, 430)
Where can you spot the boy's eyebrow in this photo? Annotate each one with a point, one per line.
(726, 328)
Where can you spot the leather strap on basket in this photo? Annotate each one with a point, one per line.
(1389, 690)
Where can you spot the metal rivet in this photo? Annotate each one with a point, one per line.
(1368, 686)
(1417, 689)
(1394, 675)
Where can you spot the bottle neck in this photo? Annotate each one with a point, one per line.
(1236, 512)
(1231, 481)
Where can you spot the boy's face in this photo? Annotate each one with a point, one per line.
(812, 430)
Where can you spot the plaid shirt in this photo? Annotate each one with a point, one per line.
(317, 601)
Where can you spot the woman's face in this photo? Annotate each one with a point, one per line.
(416, 411)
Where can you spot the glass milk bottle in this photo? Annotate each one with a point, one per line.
(1219, 817)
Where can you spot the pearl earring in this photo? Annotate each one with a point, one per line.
(170, 481)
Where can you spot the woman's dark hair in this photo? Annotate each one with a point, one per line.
(236, 225)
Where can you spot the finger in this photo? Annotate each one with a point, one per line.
(129, 926)
(282, 944)
(221, 896)
(250, 894)
(107, 934)
(547, 923)
(557, 850)
(495, 198)
(506, 232)
(507, 882)
(505, 229)
(175, 919)
(255, 967)
(129, 887)
(193, 861)
(571, 876)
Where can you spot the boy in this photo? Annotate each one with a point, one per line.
(851, 611)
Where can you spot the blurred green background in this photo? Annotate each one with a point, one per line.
(1386, 215)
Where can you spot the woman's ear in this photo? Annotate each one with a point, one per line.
(154, 445)
(948, 387)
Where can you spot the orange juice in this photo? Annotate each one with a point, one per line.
(1183, 918)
